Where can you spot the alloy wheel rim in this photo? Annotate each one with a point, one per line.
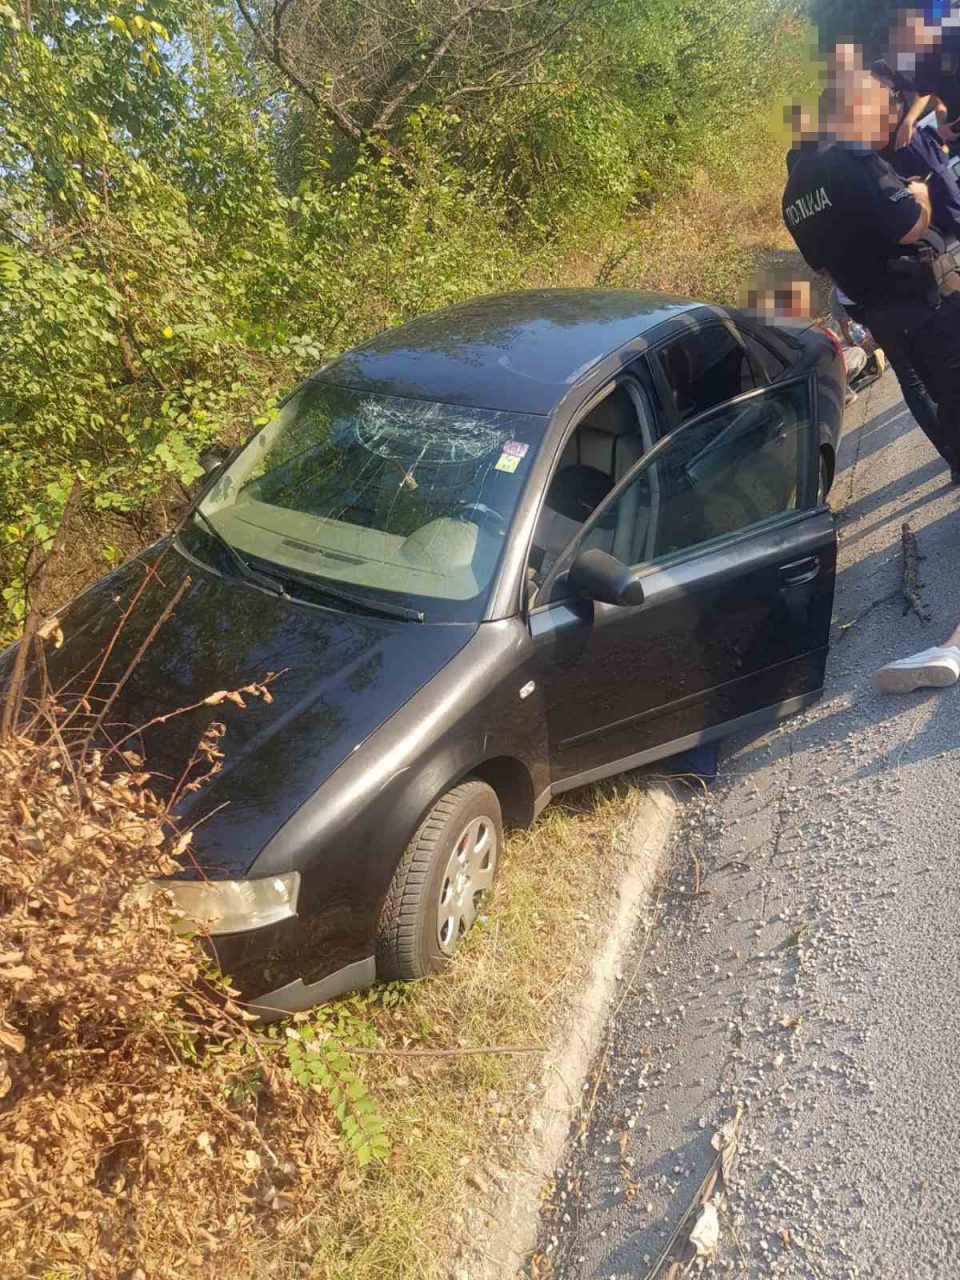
(467, 877)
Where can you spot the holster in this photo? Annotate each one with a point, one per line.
(916, 274)
(927, 274)
(947, 273)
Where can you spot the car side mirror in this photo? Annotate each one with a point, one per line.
(598, 576)
(211, 460)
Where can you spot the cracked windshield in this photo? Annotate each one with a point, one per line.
(387, 496)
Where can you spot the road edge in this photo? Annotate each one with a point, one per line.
(513, 1216)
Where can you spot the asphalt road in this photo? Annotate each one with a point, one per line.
(815, 980)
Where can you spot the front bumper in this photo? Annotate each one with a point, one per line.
(298, 995)
(268, 968)
(259, 959)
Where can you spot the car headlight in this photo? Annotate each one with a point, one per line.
(229, 906)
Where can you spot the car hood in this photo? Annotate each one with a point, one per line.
(336, 676)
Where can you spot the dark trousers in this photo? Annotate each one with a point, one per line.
(925, 339)
(918, 398)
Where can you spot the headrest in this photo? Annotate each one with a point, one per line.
(614, 416)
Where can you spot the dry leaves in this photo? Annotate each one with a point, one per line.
(142, 1125)
(255, 690)
(51, 630)
(705, 1236)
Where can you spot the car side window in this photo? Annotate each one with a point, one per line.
(603, 448)
(768, 364)
(732, 470)
(706, 367)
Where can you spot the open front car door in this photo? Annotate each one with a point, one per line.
(737, 560)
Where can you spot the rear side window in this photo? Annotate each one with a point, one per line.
(706, 368)
(769, 365)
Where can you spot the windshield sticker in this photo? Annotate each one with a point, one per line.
(507, 462)
(515, 448)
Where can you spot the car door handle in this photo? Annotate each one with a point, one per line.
(799, 572)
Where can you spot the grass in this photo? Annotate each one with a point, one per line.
(456, 1121)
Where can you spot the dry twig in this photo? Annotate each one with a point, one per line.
(15, 689)
(447, 1053)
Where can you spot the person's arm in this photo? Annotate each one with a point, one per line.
(947, 129)
(921, 106)
(922, 196)
(898, 211)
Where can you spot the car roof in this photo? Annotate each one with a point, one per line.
(519, 352)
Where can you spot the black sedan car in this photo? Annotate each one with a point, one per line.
(508, 549)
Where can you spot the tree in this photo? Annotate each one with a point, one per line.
(363, 66)
(201, 200)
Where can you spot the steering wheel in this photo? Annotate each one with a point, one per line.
(480, 514)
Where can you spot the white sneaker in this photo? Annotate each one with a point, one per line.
(932, 669)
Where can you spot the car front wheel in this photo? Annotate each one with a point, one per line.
(437, 889)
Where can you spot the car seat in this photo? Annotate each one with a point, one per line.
(604, 447)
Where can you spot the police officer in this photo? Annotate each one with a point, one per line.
(854, 219)
(925, 49)
(922, 156)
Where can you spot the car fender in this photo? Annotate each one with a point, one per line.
(349, 836)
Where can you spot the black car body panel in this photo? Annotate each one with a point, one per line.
(622, 682)
(374, 718)
(469, 720)
(338, 676)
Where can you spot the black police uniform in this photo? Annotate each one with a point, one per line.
(938, 72)
(848, 210)
(794, 154)
(923, 157)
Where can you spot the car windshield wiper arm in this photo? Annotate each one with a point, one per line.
(274, 584)
(385, 607)
(247, 571)
(363, 603)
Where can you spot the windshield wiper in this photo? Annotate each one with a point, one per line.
(363, 603)
(370, 606)
(274, 585)
(247, 571)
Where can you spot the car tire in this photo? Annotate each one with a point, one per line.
(436, 890)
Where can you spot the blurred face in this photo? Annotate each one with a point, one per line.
(845, 57)
(800, 122)
(793, 299)
(914, 33)
(788, 298)
(867, 112)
